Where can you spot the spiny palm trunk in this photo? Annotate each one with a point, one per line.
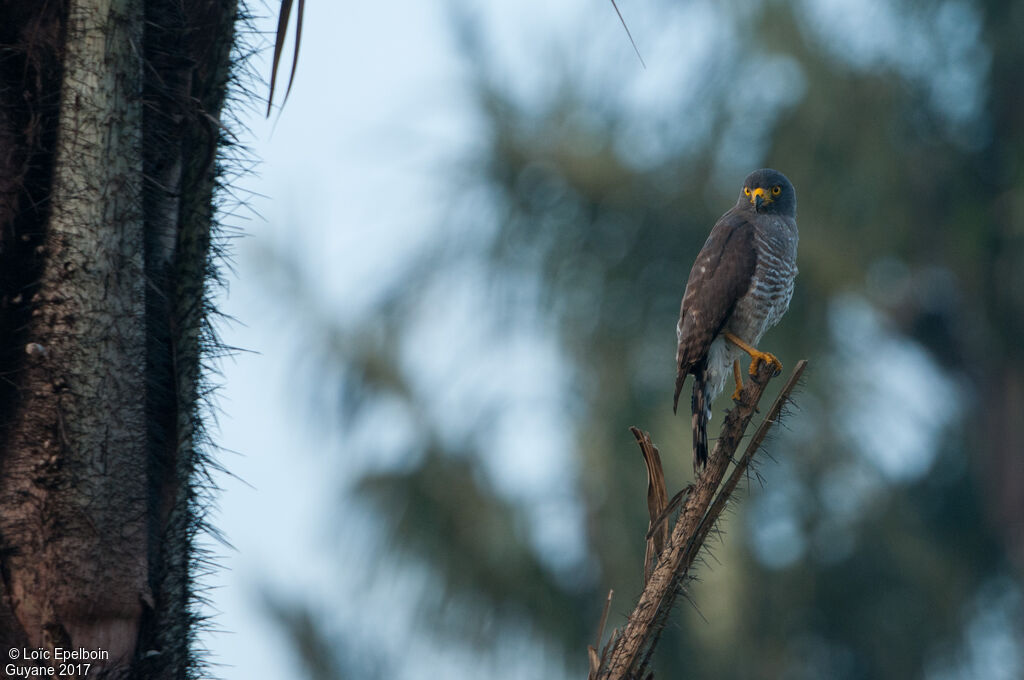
(110, 113)
(74, 483)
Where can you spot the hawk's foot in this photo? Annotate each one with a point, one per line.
(738, 377)
(756, 356)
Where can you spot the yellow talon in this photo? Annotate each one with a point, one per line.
(756, 356)
(738, 376)
(756, 359)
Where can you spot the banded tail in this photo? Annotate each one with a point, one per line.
(701, 413)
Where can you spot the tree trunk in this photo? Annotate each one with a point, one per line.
(74, 482)
(106, 207)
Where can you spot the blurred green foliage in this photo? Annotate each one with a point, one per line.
(904, 136)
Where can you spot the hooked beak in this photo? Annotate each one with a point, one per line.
(759, 197)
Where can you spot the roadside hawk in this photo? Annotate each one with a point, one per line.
(739, 287)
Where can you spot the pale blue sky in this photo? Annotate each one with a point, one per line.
(348, 185)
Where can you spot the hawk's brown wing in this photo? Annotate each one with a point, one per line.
(720, 277)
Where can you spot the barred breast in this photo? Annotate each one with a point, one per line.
(764, 303)
(771, 288)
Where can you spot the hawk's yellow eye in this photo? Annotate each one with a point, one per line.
(776, 190)
(746, 191)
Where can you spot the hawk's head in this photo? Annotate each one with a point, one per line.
(768, 191)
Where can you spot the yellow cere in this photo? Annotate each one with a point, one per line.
(759, 192)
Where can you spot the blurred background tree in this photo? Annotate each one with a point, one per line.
(482, 402)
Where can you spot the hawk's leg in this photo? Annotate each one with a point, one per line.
(738, 376)
(756, 356)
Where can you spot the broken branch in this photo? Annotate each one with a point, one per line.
(629, 651)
